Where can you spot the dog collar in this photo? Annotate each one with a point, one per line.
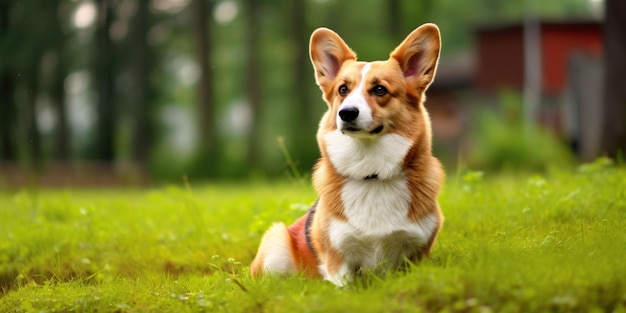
(371, 176)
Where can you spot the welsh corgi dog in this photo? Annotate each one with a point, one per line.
(377, 179)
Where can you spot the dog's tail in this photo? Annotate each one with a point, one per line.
(276, 253)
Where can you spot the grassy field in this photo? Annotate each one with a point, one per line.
(510, 243)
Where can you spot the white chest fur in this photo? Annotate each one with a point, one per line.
(377, 228)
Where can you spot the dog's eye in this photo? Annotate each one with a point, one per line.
(343, 90)
(379, 90)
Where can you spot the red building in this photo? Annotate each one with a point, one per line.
(500, 60)
(566, 58)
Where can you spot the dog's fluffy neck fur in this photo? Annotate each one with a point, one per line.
(357, 158)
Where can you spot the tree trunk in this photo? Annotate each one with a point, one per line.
(8, 112)
(7, 117)
(614, 132)
(302, 137)
(103, 144)
(207, 120)
(140, 95)
(57, 95)
(395, 20)
(253, 81)
(33, 137)
(57, 92)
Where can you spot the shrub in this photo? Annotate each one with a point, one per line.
(506, 142)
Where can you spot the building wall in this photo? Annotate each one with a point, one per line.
(500, 54)
(499, 60)
(558, 43)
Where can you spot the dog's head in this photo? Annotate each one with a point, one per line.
(370, 99)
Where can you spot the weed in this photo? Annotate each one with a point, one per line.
(293, 167)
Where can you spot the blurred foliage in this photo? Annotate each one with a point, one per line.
(505, 141)
(155, 93)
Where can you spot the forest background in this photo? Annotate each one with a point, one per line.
(160, 89)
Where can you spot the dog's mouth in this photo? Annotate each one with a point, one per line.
(377, 130)
(353, 130)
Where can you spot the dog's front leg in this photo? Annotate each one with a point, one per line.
(335, 269)
(341, 277)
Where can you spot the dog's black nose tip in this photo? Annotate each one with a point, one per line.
(348, 114)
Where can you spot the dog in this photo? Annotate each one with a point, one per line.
(377, 179)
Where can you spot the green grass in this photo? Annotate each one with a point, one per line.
(510, 243)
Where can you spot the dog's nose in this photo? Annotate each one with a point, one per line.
(348, 114)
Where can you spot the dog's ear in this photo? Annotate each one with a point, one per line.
(328, 52)
(418, 55)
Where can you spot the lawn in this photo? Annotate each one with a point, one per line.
(510, 243)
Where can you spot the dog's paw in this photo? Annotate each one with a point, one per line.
(341, 278)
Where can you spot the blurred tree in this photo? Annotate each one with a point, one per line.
(395, 19)
(405, 16)
(102, 146)
(29, 117)
(143, 128)
(614, 132)
(27, 62)
(304, 125)
(253, 79)
(8, 112)
(207, 121)
(58, 11)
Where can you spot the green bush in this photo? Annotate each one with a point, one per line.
(505, 141)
